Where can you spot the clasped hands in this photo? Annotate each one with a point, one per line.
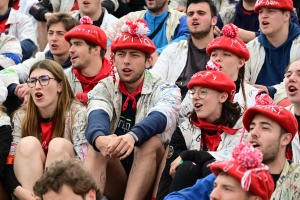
(113, 146)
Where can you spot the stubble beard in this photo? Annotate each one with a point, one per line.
(134, 79)
(270, 153)
(200, 34)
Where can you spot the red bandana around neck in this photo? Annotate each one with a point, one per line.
(131, 96)
(88, 85)
(211, 127)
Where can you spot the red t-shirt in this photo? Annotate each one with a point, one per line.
(16, 4)
(46, 135)
(3, 27)
(75, 7)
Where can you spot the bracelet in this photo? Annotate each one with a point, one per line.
(181, 162)
(132, 135)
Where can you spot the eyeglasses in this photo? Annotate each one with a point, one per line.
(43, 80)
(202, 93)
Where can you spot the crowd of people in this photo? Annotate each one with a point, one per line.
(154, 99)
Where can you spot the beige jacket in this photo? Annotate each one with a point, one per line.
(156, 95)
(75, 125)
(288, 184)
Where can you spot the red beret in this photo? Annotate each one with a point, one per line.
(215, 80)
(87, 31)
(278, 4)
(133, 36)
(229, 42)
(247, 168)
(277, 113)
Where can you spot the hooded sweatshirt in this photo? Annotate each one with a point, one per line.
(276, 60)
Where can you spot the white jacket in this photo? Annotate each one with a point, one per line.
(192, 137)
(9, 44)
(67, 5)
(155, 96)
(21, 26)
(23, 68)
(295, 141)
(171, 61)
(250, 91)
(108, 19)
(257, 59)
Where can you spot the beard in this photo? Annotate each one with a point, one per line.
(133, 78)
(199, 34)
(157, 7)
(270, 152)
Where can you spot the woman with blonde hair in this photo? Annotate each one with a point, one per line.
(50, 127)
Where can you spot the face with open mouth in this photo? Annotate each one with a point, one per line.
(57, 43)
(271, 21)
(89, 7)
(131, 65)
(45, 96)
(80, 54)
(229, 62)
(206, 103)
(199, 20)
(265, 135)
(292, 82)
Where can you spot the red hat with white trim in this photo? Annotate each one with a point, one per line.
(248, 169)
(266, 106)
(89, 32)
(214, 79)
(229, 42)
(133, 36)
(276, 4)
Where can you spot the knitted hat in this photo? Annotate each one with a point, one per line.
(247, 168)
(213, 79)
(276, 4)
(266, 106)
(133, 36)
(229, 42)
(89, 32)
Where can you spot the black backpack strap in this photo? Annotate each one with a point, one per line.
(153, 34)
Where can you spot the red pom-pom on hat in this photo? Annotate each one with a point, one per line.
(230, 30)
(86, 20)
(136, 28)
(229, 42)
(246, 155)
(212, 65)
(264, 99)
(133, 36)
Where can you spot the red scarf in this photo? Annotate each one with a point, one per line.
(88, 85)
(215, 140)
(131, 96)
(46, 135)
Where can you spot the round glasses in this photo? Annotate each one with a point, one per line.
(201, 94)
(43, 80)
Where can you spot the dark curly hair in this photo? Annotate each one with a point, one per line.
(70, 173)
(230, 114)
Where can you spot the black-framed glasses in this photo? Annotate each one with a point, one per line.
(43, 80)
(202, 93)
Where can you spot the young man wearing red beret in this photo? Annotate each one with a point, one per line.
(271, 129)
(130, 119)
(273, 50)
(88, 46)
